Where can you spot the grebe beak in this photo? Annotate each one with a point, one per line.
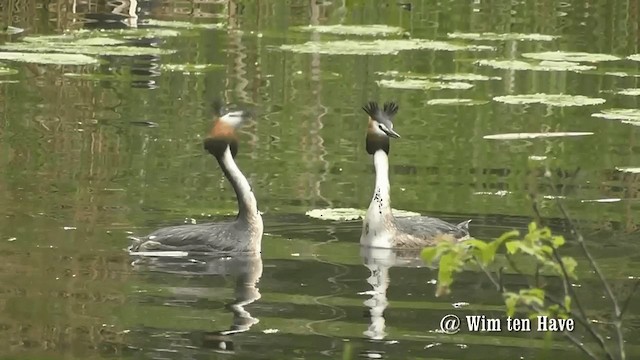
(391, 133)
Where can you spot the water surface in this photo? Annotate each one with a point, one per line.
(93, 153)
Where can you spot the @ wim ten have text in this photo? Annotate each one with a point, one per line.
(539, 323)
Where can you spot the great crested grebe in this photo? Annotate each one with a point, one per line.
(244, 233)
(380, 228)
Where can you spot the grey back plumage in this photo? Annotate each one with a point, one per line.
(425, 229)
(200, 238)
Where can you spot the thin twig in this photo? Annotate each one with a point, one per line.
(573, 339)
(596, 268)
(626, 303)
(580, 315)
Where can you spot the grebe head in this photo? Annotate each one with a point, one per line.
(223, 134)
(380, 126)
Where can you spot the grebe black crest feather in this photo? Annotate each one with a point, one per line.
(389, 110)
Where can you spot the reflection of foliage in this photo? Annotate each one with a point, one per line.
(541, 246)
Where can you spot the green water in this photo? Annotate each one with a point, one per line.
(91, 154)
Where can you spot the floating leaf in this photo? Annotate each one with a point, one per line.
(72, 40)
(621, 74)
(629, 92)
(375, 47)
(633, 170)
(73, 48)
(497, 193)
(608, 200)
(191, 68)
(464, 77)
(7, 71)
(570, 56)
(519, 136)
(541, 66)
(490, 36)
(456, 102)
(443, 77)
(549, 99)
(345, 214)
(49, 58)
(358, 30)
(627, 116)
(418, 84)
(96, 77)
(11, 30)
(182, 24)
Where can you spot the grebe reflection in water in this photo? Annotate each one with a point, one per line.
(244, 233)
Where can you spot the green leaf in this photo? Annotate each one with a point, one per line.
(532, 227)
(510, 302)
(429, 254)
(478, 244)
(545, 232)
(535, 292)
(445, 273)
(567, 303)
(513, 246)
(557, 241)
(547, 249)
(570, 265)
(507, 236)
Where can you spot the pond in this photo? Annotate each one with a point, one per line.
(104, 107)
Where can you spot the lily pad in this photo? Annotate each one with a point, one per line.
(346, 214)
(549, 99)
(627, 116)
(541, 66)
(7, 71)
(520, 136)
(74, 48)
(96, 77)
(11, 30)
(467, 102)
(570, 56)
(464, 77)
(70, 39)
(606, 200)
(445, 77)
(497, 193)
(621, 74)
(183, 24)
(501, 37)
(358, 30)
(49, 58)
(191, 68)
(422, 84)
(375, 47)
(629, 92)
(632, 170)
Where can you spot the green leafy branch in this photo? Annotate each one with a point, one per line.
(540, 246)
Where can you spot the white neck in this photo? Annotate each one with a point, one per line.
(381, 163)
(247, 204)
(377, 224)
